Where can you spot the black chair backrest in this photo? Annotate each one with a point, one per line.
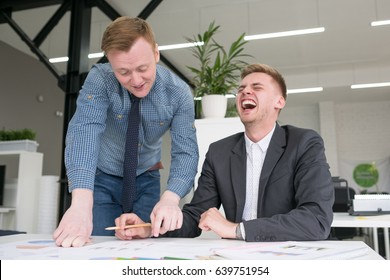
(341, 199)
(343, 195)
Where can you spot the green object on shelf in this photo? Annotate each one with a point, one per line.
(23, 134)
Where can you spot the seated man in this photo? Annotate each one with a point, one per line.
(273, 181)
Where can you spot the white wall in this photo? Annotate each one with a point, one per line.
(30, 98)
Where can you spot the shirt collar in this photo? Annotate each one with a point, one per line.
(263, 143)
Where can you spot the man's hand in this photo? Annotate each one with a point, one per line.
(213, 220)
(166, 215)
(75, 227)
(131, 233)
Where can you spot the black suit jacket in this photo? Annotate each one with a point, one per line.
(296, 192)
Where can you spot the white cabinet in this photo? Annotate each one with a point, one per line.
(211, 130)
(21, 190)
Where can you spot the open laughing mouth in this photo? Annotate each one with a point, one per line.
(248, 104)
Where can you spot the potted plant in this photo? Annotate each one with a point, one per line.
(218, 71)
(18, 140)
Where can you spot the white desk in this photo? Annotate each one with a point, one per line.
(374, 222)
(11, 245)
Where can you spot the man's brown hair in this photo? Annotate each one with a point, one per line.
(122, 33)
(266, 69)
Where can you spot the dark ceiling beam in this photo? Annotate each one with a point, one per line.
(53, 21)
(20, 5)
(79, 41)
(41, 56)
(107, 9)
(149, 9)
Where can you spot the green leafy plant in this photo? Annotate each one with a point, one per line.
(9, 135)
(218, 69)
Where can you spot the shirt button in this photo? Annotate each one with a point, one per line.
(120, 116)
(161, 123)
(89, 96)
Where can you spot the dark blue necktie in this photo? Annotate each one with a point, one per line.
(131, 157)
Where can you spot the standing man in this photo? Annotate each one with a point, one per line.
(95, 141)
(273, 181)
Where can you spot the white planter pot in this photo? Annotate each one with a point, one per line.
(214, 106)
(19, 145)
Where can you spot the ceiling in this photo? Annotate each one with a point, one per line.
(350, 51)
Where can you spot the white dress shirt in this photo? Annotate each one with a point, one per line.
(255, 157)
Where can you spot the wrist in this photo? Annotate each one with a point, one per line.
(170, 196)
(239, 233)
(82, 198)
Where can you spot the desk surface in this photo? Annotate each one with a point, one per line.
(23, 246)
(346, 220)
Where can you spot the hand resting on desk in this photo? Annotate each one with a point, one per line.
(75, 227)
(211, 220)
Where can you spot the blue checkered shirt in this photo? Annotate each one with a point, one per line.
(97, 131)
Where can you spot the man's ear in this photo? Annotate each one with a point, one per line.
(280, 103)
(156, 54)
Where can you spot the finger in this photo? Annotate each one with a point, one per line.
(156, 225)
(122, 236)
(67, 242)
(173, 222)
(117, 222)
(204, 227)
(58, 237)
(203, 224)
(165, 223)
(57, 233)
(124, 220)
(179, 221)
(156, 228)
(135, 233)
(79, 241)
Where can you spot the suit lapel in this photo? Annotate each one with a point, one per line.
(274, 152)
(238, 176)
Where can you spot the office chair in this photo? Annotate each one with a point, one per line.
(343, 201)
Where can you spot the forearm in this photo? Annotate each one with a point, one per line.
(82, 199)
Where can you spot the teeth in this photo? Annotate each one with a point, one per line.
(248, 104)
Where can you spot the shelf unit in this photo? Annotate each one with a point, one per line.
(23, 173)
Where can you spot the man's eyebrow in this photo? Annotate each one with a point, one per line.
(252, 85)
(256, 84)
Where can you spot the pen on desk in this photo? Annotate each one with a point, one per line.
(130, 226)
(173, 258)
